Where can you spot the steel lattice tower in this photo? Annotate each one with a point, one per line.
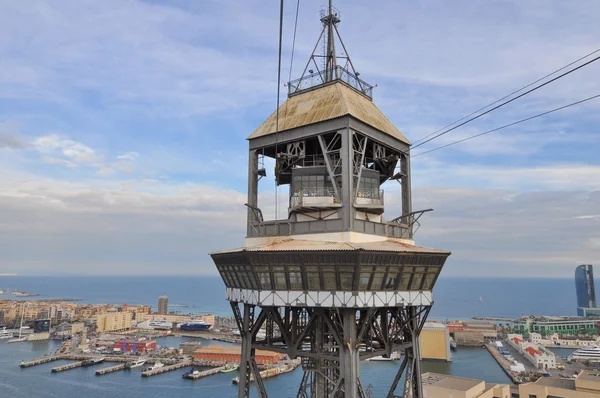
(335, 282)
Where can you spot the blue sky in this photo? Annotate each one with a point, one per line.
(123, 125)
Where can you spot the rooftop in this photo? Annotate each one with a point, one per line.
(230, 350)
(388, 245)
(326, 102)
(556, 383)
(450, 382)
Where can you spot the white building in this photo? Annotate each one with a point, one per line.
(540, 357)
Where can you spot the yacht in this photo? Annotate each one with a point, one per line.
(5, 334)
(136, 364)
(586, 353)
(157, 365)
(160, 324)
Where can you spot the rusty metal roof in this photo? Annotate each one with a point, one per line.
(324, 103)
(389, 245)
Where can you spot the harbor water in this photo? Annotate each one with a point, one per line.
(38, 381)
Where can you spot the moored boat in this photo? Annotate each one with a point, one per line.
(231, 368)
(588, 353)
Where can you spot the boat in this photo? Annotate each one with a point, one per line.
(92, 361)
(189, 374)
(157, 365)
(480, 299)
(229, 369)
(20, 337)
(194, 325)
(5, 334)
(453, 344)
(394, 357)
(136, 364)
(160, 324)
(585, 353)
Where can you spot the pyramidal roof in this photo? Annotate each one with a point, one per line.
(327, 102)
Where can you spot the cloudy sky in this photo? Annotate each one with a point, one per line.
(123, 125)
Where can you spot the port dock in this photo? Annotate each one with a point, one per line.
(110, 369)
(204, 373)
(166, 369)
(40, 361)
(69, 366)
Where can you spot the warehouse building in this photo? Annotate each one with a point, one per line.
(135, 345)
(230, 354)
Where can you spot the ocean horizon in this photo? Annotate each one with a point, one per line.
(454, 297)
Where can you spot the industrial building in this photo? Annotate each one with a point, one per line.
(546, 326)
(189, 347)
(163, 305)
(443, 386)
(135, 345)
(435, 342)
(585, 385)
(471, 333)
(232, 354)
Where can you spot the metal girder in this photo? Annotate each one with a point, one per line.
(331, 363)
(248, 367)
(359, 148)
(333, 169)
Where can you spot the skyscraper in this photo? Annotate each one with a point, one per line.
(584, 286)
(163, 304)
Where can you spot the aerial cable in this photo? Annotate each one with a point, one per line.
(506, 102)
(506, 96)
(509, 125)
(294, 40)
(277, 111)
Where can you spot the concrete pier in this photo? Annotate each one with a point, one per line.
(41, 360)
(204, 373)
(69, 366)
(110, 369)
(166, 369)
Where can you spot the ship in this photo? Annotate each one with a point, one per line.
(194, 325)
(589, 353)
(136, 364)
(160, 324)
(453, 344)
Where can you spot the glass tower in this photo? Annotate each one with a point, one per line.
(584, 286)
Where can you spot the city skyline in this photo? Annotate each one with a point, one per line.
(112, 144)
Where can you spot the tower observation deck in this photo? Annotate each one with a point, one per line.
(336, 282)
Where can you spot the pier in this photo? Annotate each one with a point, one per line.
(69, 366)
(110, 369)
(276, 371)
(204, 373)
(40, 361)
(166, 369)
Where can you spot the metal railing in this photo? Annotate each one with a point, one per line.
(314, 197)
(339, 73)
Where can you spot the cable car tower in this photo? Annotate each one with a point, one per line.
(336, 282)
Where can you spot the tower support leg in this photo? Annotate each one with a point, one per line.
(248, 367)
(347, 385)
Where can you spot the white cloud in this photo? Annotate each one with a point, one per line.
(74, 150)
(131, 156)
(51, 160)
